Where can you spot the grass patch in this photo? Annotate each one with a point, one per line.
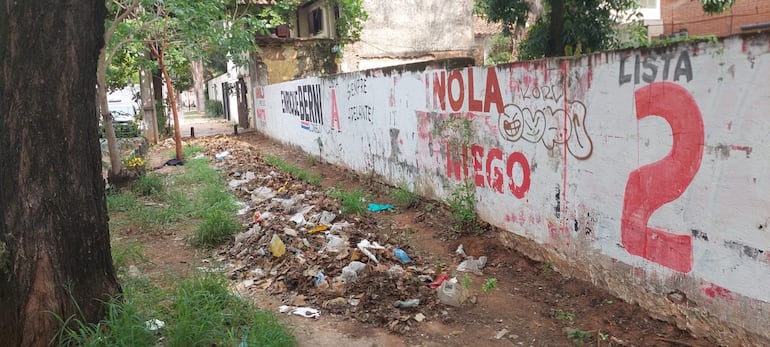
(127, 253)
(351, 201)
(217, 227)
(120, 201)
(147, 184)
(190, 150)
(199, 311)
(403, 197)
(310, 177)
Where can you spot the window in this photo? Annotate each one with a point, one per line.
(315, 21)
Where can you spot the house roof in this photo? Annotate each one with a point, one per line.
(483, 28)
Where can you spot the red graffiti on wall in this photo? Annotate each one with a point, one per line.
(461, 91)
(492, 171)
(654, 185)
(335, 112)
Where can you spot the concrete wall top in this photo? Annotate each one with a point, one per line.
(643, 170)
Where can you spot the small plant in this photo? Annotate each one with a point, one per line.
(578, 336)
(467, 281)
(403, 197)
(547, 268)
(564, 315)
(462, 204)
(214, 108)
(351, 202)
(134, 163)
(429, 207)
(489, 285)
(148, 184)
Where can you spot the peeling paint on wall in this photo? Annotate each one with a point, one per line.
(643, 169)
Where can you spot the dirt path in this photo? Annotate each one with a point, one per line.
(531, 304)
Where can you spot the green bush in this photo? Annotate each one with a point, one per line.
(214, 108)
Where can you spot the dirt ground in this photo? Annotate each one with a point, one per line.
(530, 305)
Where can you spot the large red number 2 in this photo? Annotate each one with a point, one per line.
(654, 185)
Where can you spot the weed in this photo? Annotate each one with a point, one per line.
(467, 281)
(403, 197)
(217, 227)
(351, 201)
(125, 253)
(120, 202)
(310, 177)
(148, 184)
(547, 268)
(489, 285)
(562, 315)
(578, 336)
(429, 207)
(190, 150)
(200, 311)
(462, 205)
(198, 171)
(311, 160)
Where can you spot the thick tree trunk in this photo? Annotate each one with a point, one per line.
(556, 40)
(54, 238)
(199, 85)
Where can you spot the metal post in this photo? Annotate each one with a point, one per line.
(192, 131)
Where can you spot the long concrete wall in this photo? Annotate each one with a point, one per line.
(645, 172)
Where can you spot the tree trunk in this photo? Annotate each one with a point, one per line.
(160, 112)
(556, 40)
(171, 100)
(196, 66)
(103, 106)
(54, 238)
(148, 106)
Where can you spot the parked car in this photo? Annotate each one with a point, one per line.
(123, 113)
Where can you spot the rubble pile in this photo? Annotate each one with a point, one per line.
(297, 245)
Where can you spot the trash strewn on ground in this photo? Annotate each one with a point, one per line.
(296, 244)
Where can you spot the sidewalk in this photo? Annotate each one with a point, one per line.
(203, 126)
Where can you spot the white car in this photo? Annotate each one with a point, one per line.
(123, 113)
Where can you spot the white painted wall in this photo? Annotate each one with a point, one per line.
(691, 120)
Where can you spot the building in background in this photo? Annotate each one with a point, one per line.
(682, 17)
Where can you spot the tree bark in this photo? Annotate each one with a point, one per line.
(199, 85)
(158, 53)
(556, 39)
(54, 238)
(148, 106)
(103, 106)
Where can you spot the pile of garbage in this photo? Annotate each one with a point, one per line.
(297, 245)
